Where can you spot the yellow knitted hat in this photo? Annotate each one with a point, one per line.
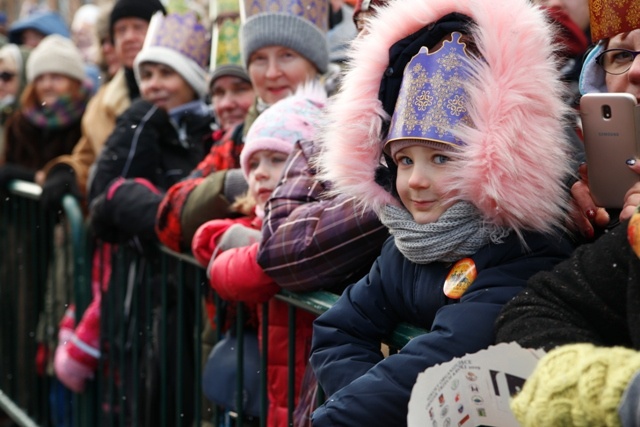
(576, 385)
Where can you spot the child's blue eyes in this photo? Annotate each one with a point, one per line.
(405, 161)
(438, 159)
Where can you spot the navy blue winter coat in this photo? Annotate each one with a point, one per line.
(363, 389)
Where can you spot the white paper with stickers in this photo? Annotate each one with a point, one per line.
(473, 390)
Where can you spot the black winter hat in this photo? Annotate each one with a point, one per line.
(143, 9)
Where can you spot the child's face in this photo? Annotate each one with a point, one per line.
(420, 169)
(277, 71)
(265, 168)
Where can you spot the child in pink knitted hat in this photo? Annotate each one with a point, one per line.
(228, 247)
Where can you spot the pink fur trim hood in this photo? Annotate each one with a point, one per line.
(517, 153)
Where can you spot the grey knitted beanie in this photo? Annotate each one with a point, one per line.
(283, 29)
(228, 70)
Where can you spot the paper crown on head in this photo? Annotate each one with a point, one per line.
(611, 17)
(181, 42)
(225, 42)
(432, 99)
(314, 11)
(182, 33)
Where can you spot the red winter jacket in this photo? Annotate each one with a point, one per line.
(236, 276)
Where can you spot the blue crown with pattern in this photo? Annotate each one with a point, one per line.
(432, 99)
(314, 11)
(182, 33)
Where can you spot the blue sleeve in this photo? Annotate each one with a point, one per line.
(371, 391)
(629, 410)
(376, 391)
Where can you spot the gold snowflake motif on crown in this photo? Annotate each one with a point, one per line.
(432, 99)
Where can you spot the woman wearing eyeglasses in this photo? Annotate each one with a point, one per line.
(585, 311)
(12, 82)
(611, 66)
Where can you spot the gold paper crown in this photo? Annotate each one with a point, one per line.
(182, 33)
(224, 8)
(314, 11)
(225, 42)
(611, 17)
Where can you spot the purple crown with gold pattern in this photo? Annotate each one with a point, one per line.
(432, 100)
(182, 33)
(314, 11)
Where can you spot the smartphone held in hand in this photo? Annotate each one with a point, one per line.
(611, 128)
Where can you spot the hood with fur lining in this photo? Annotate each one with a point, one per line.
(517, 154)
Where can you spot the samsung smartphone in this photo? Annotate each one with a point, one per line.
(611, 128)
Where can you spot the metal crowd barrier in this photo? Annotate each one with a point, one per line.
(152, 320)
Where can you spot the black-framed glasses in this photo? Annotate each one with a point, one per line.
(6, 76)
(617, 61)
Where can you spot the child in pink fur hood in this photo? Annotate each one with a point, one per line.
(448, 125)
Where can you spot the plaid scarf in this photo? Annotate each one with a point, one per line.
(64, 112)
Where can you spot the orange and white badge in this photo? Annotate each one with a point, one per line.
(633, 232)
(461, 276)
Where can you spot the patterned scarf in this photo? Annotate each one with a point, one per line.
(458, 233)
(62, 113)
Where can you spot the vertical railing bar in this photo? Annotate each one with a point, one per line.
(179, 337)
(197, 384)
(132, 400)
(240, 323)
(149, 337)
(123, 269)
(291, 363)
(264, 359)
(219, 317)
(163, 347)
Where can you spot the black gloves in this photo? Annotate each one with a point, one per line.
(125, 209)
(61, 180)
(10, 171)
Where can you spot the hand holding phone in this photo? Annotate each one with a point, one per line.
(611, 127)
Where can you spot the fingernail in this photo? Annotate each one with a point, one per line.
(630, 162)
(591, 213)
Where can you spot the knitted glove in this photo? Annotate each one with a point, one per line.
(65, 332)
(76, 359)
(238, 236)
(235, 184)
(127, 208)
(205, 239)
(576, 385)
(10, 171)
(67, 325)
(60, 180)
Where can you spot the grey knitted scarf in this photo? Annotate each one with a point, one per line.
(458, 233)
